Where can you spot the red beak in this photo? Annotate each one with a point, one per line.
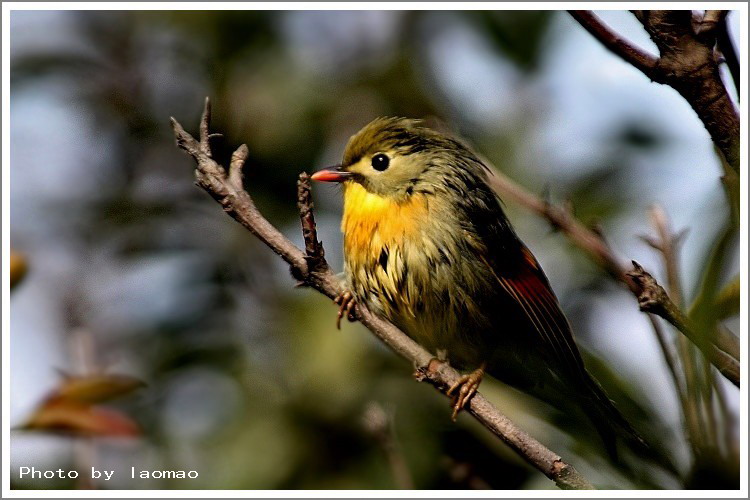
(332, 174)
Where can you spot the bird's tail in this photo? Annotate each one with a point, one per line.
(612, 426)
(607, 419)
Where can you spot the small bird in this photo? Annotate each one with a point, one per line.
(428, 247)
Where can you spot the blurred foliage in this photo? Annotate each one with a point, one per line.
(519, 36)
(74, 407)
(18, 268)
(247, 379)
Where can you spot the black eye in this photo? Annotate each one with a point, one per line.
(380, 162)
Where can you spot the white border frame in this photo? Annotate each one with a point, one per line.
(7, 8)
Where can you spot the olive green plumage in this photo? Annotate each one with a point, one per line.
(428, 246)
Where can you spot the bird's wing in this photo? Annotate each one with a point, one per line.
(521, 279)
(525, 283)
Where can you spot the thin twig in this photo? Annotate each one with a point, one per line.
(314, 252)
(238, 203)
(654, 299)
(668, 244)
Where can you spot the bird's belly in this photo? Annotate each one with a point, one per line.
(413, 284)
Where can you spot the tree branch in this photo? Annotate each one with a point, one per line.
(228, 191)
(686, 63)
(636, 56)
(654, 299)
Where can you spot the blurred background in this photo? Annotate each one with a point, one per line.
(136, 279)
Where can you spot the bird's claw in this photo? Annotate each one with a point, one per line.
(467, 386)
(346, 303)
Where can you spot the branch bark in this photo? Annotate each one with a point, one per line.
(308, 268)
(686, 63)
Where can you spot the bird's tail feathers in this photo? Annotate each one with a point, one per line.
(612, 425)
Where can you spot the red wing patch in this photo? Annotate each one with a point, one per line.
(530, 289)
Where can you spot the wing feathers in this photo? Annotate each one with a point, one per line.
(529, 288)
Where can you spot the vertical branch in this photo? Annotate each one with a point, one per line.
(314, 253)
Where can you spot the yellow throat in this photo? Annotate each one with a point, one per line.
(371, 221)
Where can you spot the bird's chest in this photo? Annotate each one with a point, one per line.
(391, 251)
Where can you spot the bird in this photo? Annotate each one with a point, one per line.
(427, 246)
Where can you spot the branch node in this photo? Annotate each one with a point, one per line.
(652, 295)
(707, 27)
(236, 164)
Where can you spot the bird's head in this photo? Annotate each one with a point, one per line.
(394, 158)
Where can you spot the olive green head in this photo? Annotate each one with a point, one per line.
(396, 157)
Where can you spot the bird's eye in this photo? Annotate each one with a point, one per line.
(380, 162)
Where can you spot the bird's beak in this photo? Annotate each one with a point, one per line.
(332, 174)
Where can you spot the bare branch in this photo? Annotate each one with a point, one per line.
(639, 58)
(204, 135)
(235, 167)
(238, 203)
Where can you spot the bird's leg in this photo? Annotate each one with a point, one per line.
(467, 386)
(346, 303)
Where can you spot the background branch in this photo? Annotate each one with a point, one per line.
(614, 42)
(237, 202)
(686, 63)
(654, 299)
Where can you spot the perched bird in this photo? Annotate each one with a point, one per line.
(428, 246)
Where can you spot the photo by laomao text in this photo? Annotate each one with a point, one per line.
(25, 472)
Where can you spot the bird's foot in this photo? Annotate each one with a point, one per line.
(466, 386)
(346, 303)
